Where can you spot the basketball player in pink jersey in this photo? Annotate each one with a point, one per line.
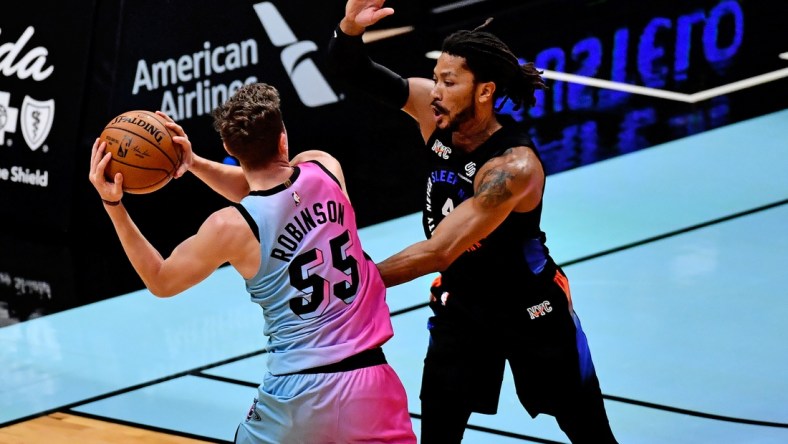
(291, 234)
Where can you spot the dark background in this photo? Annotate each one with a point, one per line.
(57, 247)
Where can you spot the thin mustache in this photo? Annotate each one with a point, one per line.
(441, 109)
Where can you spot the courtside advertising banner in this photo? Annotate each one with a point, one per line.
(208, 49)
(44, 47)
(43, 58)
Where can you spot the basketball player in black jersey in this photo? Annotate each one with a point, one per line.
(499, 296)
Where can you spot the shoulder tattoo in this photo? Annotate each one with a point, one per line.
(493, 188)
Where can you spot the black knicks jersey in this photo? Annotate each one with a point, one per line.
(515, 252)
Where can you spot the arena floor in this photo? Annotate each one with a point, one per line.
(676, 255)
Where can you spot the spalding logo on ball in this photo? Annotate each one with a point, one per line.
(142, 150)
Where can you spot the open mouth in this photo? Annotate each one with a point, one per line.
(437, 110)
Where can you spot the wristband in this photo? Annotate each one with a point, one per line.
(112, 203)
(341, 35)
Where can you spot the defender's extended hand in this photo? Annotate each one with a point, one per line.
(364, 13)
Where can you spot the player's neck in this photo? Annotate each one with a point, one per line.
(472, 134)
(269, 176)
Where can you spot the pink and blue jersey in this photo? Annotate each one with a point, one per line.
(322, 297)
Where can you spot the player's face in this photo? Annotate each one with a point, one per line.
(453, 93)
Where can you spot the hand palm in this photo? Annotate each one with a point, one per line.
(367, 13)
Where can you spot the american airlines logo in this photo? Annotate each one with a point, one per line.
(310, 85)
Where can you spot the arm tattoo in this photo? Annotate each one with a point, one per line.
(493, 190)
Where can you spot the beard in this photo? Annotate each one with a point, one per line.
(461, 117)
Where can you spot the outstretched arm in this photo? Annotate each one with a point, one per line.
(223, 237)
(512, 182)
(347, 59)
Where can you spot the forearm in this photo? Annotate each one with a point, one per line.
(464, 226)
(348, 61)
(414, 261)
(145, 259)
(227, 180)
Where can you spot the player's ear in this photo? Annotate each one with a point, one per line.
(283, 143)
(485, 92)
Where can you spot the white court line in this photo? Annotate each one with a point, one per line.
(670, 95)
(661, 93)
(736, 86)
(617, 86)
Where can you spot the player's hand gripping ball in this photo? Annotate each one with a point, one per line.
(142, 150)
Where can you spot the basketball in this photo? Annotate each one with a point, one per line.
(142, 150)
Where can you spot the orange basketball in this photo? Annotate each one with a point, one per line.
(142, 150)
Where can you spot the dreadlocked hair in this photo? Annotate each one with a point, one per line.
(490, 60)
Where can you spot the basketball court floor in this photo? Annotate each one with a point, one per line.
(677, 259)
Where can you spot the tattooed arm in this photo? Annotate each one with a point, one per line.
(510, 182)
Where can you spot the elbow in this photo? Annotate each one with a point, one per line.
(443, 255)
(441, 260)
(331, 65)
(161, 291)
